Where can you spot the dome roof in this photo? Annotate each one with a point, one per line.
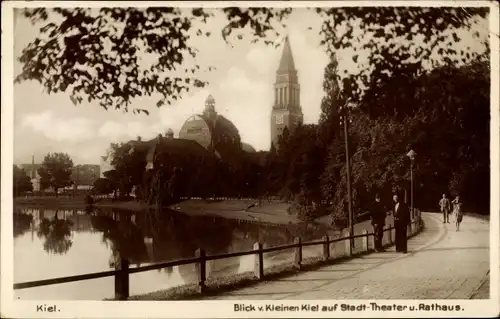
(225, 128)
(247, 148)
(196, 128)
(206, 130)
(212, 131)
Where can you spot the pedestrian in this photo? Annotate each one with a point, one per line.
(401, 219)
(377, 216)
(458, 212)
(445, 207)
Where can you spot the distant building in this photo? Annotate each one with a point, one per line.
(32, 171)
(202, 135)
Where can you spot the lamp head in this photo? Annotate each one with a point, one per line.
(412, 154)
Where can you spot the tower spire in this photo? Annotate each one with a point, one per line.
(286, 63)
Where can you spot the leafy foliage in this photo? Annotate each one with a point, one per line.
(85, 174)
(55, 171)
(447, 125)
(397, 40)
(103, 186)
(94, 53)
(329, 117)
(129, 163)
(22, 182)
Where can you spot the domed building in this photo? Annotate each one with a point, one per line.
(214, 132)
(202, 135)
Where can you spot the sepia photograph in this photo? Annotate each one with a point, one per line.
(343, 152)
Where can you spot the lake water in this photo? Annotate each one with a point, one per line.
(52, 243)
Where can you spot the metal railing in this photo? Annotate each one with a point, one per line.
(121, 274)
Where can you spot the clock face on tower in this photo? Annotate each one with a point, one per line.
(279, 119)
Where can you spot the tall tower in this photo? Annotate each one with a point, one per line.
(286, 111)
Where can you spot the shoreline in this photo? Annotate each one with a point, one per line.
(268, 213)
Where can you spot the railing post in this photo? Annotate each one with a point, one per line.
(390, 234)
(326, 248)
(201, 269)
(298, 253)
(122, 280)
(347, 241)
(259, 261)
(364, 240)
(371, 240)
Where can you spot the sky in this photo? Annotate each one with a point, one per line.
(242, 86)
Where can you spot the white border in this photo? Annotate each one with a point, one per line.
(201, 309)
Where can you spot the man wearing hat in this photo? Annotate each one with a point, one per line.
(401, 220)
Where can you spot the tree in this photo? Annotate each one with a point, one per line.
(22, 182)
(103, 186)
(174, 185)
(129, 162)
(394, 39)
(82, 64)
(55, 171)
(447, 125)
(397, 40)
(114, 180)
(329, 117)
(294, 168)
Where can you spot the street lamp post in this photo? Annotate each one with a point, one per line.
(411, 155)
(345, 113)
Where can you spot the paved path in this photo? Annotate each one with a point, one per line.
(441, 264)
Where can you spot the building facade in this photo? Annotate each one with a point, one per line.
(286, 111)
(202, 135)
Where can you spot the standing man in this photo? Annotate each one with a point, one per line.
(401, 219)
(445, 207)
(377, 216)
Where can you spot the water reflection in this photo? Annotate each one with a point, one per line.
(56, 234)
(22, 223)
(91, 241)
